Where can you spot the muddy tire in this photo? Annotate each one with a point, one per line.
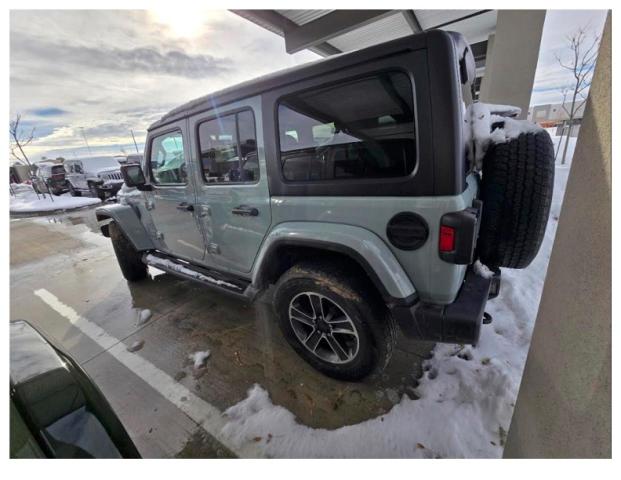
(334, 320)
(129, 259)
(517, 186)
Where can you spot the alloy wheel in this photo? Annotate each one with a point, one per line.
(323, 327)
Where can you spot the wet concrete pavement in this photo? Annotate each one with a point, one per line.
(65, 255)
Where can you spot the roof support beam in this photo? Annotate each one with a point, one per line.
(412, 20)
(329, 26)
(465, 17)
(279, 24)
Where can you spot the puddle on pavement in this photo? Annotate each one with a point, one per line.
(245, 342)
(247, 347)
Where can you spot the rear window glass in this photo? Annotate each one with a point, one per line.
(228, 146)
(361, 128)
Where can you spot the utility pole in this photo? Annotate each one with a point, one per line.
(135, 144)
(86, 141)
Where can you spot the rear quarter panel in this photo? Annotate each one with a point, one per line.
(435, 280)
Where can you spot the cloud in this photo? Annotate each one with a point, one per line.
(550, 78)
(146, 60)
(112, 71)
(48, 112)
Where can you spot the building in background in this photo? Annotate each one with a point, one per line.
(554, 115)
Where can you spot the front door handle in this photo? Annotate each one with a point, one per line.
(245, 211)
(186, 207)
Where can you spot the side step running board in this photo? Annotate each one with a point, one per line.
(198, 274)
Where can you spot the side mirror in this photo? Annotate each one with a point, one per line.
(134, 177)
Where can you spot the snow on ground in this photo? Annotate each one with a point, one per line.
(467, 394)
(199, 358)
(25, 200)
(143, 316)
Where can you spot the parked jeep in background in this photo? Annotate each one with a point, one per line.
(358, 185)
(52, 176)
(98, 176)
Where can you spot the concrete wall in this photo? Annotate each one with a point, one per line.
(563, 408)
(512, 58)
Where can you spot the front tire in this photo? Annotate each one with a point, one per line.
(129, 259)
(334, 321)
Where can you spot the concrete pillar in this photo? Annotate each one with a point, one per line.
(563, 409)
(510, 70)
(489, 58)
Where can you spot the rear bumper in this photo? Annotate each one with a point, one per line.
(458, 322)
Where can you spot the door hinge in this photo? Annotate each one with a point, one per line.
(159, 235)
(150, 204)
(213, 248)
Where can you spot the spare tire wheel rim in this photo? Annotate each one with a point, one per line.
(323, 327)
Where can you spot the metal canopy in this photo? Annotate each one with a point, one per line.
(329, 32)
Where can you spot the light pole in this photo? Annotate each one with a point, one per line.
(86, 141)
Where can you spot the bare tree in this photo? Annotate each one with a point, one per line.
(19, 140)
(581, 64)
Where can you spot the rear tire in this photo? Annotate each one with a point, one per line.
(129, 259)
(350, 312)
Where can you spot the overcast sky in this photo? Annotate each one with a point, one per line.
(102, 73)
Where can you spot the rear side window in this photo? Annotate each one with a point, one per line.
(361, 128)
(167, 160)
(228, 147)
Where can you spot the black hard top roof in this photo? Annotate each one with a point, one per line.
(291, 75)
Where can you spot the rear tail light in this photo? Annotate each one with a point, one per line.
(458, 234)
(447, 239)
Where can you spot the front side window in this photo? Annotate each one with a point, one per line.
(361, 128)
(228, 149)
(167, 160)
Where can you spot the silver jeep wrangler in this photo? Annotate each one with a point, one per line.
(349, 184)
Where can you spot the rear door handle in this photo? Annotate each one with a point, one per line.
(185, 206)
(245, 211)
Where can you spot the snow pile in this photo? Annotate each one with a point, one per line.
(199, 358)
(482, 270)
(144, 316)
(467, 394)
(479, 134)
(26, 201)
(504, 110)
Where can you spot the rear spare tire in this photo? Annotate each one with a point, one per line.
(517, 186)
